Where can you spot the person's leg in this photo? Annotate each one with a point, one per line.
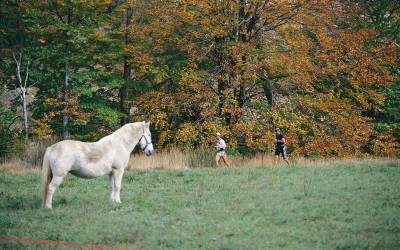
(284, 155)
(225, 159)
(276, 156)
(217, 158)
(286, 160)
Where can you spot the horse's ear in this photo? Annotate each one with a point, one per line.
(148, 124)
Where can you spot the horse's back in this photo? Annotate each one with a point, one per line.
(65, 147)
(84, 159)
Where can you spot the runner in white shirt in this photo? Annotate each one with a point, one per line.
(221, 154)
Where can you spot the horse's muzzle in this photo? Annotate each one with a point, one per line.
(148, 149)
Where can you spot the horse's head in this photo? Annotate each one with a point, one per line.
(145, 140)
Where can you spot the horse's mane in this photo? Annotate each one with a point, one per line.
(121, 131)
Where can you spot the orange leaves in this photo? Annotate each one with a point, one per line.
(69, 107)
(351, 53)
(252, 135)
(139, 59)
(333, 127)
(244, 67)
(42, 128)
(384, 144)
(230, 104)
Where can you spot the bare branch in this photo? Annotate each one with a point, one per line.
(15, 59)
(279, 20)
(32, 84)
(12, 122)
(18, 69)
(27, 73)
(57, 12)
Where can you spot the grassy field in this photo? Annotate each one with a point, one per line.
(337, 206)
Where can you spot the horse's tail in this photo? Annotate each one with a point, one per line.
(46, 177)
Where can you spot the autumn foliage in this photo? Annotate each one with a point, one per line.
(316, 69)
(245, 67)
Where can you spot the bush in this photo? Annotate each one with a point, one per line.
(34, 151)
(10, 142)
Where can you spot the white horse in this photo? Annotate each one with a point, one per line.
(108, 156)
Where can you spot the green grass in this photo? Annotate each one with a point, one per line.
(337, 207)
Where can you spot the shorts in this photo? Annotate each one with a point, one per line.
(281, 151)
(221, 153)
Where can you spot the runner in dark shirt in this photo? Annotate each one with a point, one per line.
(280, 147)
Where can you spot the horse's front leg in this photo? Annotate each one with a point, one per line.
(112, 186)
(118, 173)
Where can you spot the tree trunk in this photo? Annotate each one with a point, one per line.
(268, 92)
(123, 91)
(25, 113)
(241, 16)
(241, 38)
(222, 85)
(65, 133)
(242, 94)
(23, 88)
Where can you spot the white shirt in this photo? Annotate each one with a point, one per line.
(220, 144)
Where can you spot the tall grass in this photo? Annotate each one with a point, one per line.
(171, 159)
(34, 151)
(30, 159)
(203, 157)
(200, 158)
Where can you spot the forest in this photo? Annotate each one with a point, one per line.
(324, 71)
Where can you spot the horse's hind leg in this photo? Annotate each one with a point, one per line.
(55, 182)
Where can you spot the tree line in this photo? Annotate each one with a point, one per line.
(323, 71)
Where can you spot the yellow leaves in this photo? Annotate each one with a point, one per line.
(139, 59)
(159, 120)
(186, 135)
(206, 132)
(191, 78)
(350, 53)
(384, 144)
(165, 138)
(323, 74)
(58, 107)
(230, 104)
(247, 134)
(41, 128)
(333, 127)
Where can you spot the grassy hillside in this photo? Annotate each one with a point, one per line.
(298, 207)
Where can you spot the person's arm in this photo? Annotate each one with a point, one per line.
(221, 144)
(281, 140)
